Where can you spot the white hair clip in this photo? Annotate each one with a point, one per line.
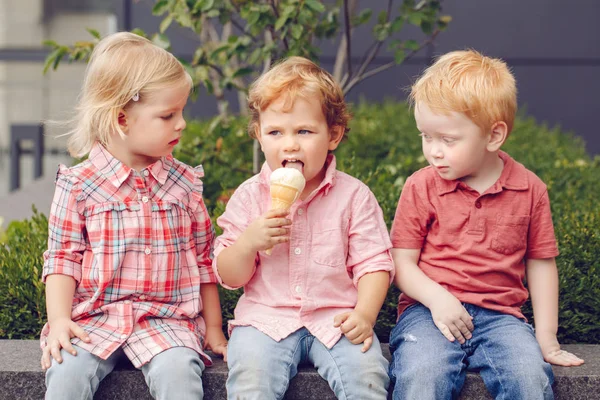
(136, 97)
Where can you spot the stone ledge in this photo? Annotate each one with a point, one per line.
(22, 378)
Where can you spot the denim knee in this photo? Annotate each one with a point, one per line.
(175, 373)
(77, 377)
(420, 353)
(259, 366)
(352, 374)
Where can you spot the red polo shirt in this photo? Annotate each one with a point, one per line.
(476, 245)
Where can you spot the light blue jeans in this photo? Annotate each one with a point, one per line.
(175, 373)
(261, 368)
(503, 349)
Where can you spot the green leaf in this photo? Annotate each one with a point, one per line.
(198, 55)
(207, 5)
(139, 32)
(184, 19)
(427, 27)
(363, 17)
(50, 43)
(397, 24)
(161, 41)
(94, 33)
(280, 22)
(242, 72)
(165, 23)
(253, 18)
(445, 19)
(50, 59)
(315, 5)
(213, 13)
(415, 18)
(215, 53)
(297, 31)
(411, 45)
(160, 7)
(209, 86)
(255, 56)
(399, 56)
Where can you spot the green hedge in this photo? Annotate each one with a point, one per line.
(382, 150)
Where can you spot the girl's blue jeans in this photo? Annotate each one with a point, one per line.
(503, 349)
(261, 368)
(175, 373)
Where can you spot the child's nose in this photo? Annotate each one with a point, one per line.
(435, 150)
(290, 143)
(181, 124)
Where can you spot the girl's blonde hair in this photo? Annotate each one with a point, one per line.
(470, 83)
(293, 77)
(122, 65)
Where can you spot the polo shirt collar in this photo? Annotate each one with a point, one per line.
(513, 177)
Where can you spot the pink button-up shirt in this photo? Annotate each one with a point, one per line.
(337, 235)
(138, 244)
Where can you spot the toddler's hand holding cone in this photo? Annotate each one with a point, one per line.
(286, 186)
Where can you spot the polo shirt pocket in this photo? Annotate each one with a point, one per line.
(510, 233)
(328, 246)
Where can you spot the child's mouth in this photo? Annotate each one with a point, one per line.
(174, 142)
(296, 164)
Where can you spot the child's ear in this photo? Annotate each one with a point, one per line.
(122, 119)
(258, 138)
(336, 134)
(498, 135)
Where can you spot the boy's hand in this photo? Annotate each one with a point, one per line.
(552, 352)
(61, 332)
(451, 318)
(216, 341)
(356, 327)
(267, 230)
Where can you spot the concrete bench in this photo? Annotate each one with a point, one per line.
(22, 378)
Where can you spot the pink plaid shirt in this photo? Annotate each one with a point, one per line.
(337, 236)
(139, 245)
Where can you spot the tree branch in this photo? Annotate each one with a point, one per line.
(348, 42)
(284, 40)
(340, 60)
(374, 49)
(383, 67)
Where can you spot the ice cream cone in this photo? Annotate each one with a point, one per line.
(286, 186)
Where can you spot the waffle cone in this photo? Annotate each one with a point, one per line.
(283, 196)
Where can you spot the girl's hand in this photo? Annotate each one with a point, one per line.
(61, 332)
(356, 327)
(552, 352)
(451, 318)
(216, 341)
(267, 230)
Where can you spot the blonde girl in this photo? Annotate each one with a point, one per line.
(128, 265)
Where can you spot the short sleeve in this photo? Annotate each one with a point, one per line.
(410, 225)
(541, 242)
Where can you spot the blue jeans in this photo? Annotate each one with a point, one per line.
(175, 373)
(503, 349)
(261, 368)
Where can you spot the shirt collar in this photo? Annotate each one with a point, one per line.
(116, 172)
(512, 178)
(327, 183)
